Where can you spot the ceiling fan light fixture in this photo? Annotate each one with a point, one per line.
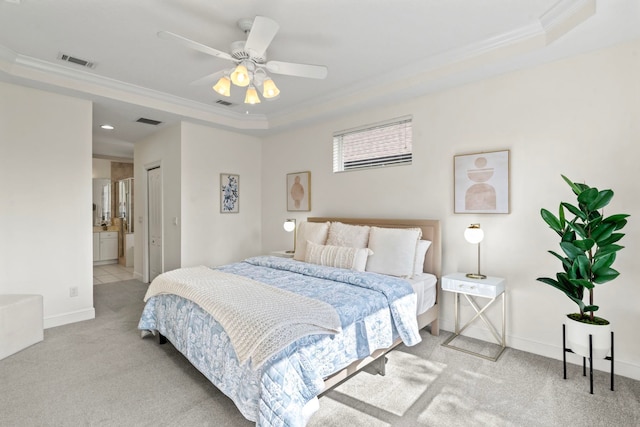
(252, 96)
(240, 76)
(269, 89)
(223, 87)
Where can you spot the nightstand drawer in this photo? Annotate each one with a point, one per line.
(489, 288)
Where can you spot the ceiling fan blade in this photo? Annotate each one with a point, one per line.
(210, 79)
(299, 70)
(167, 35)
(262, 33)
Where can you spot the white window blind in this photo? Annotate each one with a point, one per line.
(377, 145)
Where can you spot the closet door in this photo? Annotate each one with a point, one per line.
(154, 191)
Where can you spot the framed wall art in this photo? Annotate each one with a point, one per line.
(229, 193)
(481, 182)
(299, 191)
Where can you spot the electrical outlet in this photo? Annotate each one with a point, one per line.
(73, 291)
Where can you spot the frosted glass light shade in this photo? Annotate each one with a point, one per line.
(240, 76)
(289, 225)
(252, 96)
(223, 87)
(474, 234)
(269, 89)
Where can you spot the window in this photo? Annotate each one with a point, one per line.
(377, 145)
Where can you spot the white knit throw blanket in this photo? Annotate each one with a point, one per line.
(259, 319)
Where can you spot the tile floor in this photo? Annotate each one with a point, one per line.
(111, 273)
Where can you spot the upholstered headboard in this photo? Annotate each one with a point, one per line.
(430, 231)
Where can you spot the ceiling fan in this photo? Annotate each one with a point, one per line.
(250, 59)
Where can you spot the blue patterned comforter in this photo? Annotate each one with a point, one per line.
(374, 310)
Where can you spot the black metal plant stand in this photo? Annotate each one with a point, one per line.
(584, 359)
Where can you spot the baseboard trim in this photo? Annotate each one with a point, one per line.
(71, 317)
(621, 367)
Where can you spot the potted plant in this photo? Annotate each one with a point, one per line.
(589, 245)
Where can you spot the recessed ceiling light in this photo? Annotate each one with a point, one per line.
(107, 127)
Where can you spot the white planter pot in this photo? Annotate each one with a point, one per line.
(578, 338)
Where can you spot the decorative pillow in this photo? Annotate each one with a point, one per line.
(394, 250)
(337, 256)
(421, 252)
(353, 236)
(315, 232)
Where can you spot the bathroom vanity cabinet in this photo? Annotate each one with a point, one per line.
(105, 246)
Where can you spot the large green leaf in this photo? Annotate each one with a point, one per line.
(568, 291)
(621, 224)
(602, 200)
(573, 186)
(606, 250)
(604, 275)
(571, 250)
(616, 218)
(565, 262)
(588, 197)
(611, 239)
(579, 229)
(551, 220)
(573, 272)
(573, 289)
(604, 261)
(602, 232)
(584, 266)
(584, 245)
(590, 308)
(575, 210)
(584, 283)
(569, 235)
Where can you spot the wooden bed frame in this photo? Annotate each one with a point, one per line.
(432, 264)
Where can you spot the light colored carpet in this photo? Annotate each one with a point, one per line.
(101, 373)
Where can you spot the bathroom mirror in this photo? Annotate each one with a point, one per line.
(125, 203)
(101, 201)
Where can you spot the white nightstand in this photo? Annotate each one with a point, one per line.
(283, 254)
(491, 287)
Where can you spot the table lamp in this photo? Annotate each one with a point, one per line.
(474, 235)
(289, 226)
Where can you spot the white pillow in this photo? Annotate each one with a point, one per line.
(315, 232)
(421, 252)
(337, 256)
(353, 236)
(394, 250)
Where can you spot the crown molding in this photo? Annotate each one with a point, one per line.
(33, 69)
(432, 72)
(435, 70)
(565, 16)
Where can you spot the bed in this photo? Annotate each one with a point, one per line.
(372, 314)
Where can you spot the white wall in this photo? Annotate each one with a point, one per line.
(191, 158)
(208, 236)
(161, 149)
(45, 213)
(577, 117)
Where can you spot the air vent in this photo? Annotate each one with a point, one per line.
(77, 61)
(148, 121)
(223, 102)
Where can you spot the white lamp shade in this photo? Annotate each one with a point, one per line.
(474, 234)
(289, 225)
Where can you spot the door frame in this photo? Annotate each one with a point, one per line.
(145, 227)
